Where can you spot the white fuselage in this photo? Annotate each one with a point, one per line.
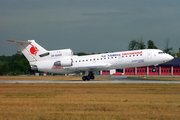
(64, 62)
(105, 61)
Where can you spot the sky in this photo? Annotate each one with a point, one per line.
(90, 26)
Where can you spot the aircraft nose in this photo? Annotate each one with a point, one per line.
(169, 58)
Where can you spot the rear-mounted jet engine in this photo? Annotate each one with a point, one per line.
(64, 62)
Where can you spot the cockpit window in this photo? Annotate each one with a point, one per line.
(161, 53)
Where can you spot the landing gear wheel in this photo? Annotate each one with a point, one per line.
(92, 77)
(88, 78)
(84, 78)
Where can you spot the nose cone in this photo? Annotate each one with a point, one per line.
(169, 58)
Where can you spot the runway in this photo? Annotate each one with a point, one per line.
(112, 79)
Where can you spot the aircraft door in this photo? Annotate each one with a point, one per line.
(149, 55)
(119, 58)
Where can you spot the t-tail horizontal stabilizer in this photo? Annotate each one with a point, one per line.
(30, 49)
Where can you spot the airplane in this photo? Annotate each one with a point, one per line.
(65, 62)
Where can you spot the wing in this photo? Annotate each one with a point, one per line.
(89, 67)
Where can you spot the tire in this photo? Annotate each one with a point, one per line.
(92, 77)
(88, 78)
(84, 78)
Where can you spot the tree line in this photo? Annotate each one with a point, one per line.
(139, 44)
(14, 65)
(18, 65)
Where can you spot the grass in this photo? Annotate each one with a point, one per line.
(89, 101)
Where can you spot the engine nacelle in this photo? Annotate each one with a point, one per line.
(62, 53)
(34, 67)
(64, 62)
(66, 52)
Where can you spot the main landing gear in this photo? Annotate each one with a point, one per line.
(89, 76)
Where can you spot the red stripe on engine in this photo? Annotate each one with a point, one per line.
(57, 68)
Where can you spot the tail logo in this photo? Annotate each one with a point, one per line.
(33, 49)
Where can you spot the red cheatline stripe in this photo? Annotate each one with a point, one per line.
(57, 67)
